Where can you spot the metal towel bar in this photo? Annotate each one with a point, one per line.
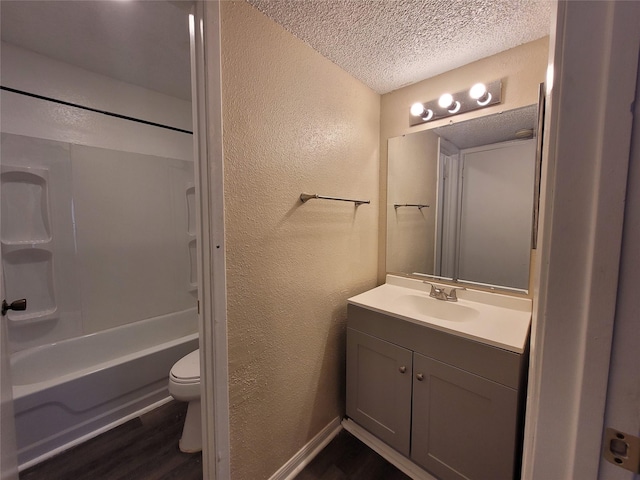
(420, 206)
(308, 196)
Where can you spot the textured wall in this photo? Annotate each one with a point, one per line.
(293, 122)
(521, 69)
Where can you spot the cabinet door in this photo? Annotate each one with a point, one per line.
(463, 425)
(379, 388)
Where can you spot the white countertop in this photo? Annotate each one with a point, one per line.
(491, 318)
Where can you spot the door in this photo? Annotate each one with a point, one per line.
(463, 426)
(379, 388)
(8, 461)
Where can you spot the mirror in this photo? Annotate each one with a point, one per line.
(460, 200)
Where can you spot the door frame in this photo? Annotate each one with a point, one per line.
(590, 86)
(622, 411)
(207, 125)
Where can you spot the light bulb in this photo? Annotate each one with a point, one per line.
(417, 109)
(478, 91)
(445, 100)
(455, 108)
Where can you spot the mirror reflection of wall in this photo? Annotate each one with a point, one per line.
(478, 178)
(413, 177)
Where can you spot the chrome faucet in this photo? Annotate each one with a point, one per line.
(439, 293)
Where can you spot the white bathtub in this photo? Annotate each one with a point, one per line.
(73, 390)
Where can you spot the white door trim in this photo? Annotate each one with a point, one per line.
(623, 411)
(594, 51)
(207, 111)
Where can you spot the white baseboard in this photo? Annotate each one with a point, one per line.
(307, 453)
(401, 462)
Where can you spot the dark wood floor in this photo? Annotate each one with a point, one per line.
(347, 458)
(143, 448)
(146, 448)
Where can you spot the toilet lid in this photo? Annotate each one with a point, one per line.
(188, 367)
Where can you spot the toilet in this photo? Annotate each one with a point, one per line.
(184, 385)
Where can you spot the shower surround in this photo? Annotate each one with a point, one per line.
(98, 234)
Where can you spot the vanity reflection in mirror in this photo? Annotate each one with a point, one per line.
(460, 200)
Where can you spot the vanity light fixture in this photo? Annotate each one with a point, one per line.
(478, 96)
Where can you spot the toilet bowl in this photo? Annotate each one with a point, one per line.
(184, 385)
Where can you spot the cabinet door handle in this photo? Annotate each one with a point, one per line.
(402, 369)
(420, 377)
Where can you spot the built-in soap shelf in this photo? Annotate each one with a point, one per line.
(191, 238)
(193, 266)
(191, 210)
(27, 243)
(25, 205)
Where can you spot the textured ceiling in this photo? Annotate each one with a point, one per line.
(388, 44)
(500, 127)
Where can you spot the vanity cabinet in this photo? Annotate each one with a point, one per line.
(379, 382)
(462, 422)
(450, 404)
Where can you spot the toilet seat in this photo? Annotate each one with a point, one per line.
(184, 379)
(187, 369)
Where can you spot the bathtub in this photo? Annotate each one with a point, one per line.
(70, 391)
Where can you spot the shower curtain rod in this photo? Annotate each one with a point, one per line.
(104, 112)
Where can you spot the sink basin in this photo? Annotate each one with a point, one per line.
(490, 318)
(431, 307)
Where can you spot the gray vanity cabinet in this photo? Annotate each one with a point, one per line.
(379, 388)
(450, 404)
(463, 425)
